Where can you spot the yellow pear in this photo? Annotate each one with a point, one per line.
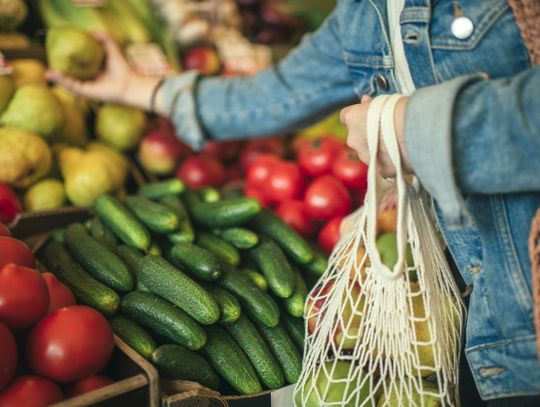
(12, 13)
(7, 87)
(13, 41)
(120, 126)
(116, 163)
(24, 157)
(28, 72)
(45, 194)
(73, 130)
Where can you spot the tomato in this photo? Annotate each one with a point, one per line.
(200, 171)
(8, 355)
(60, 295)
(294, 213)
(255, 193)
(350, 169)
(4, 230)
(31, 391)
(284, 182)
(316, 158)
(70, 344)
(24, 297)
(89, 384)
(327, 198)
(223, 150)
(259, 170)
(253, 148)
(329, 234)
(9, 203)
(15, 251)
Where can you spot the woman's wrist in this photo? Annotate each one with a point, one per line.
(139, 90)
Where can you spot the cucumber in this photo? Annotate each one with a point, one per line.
(122, 222)
(257, 351)
(288, 239)
(104, 235)
(229, 306)
(257, 304)
(178, 363)
(86, 289)
(58, 235)
(240, 238)
(156, 217)
(295, 328)
(225, 251)
(209, 194)
(318, 265)
(295, 303)
(130, 256)
(158, 190)
(97, 259)
(275, 267)
(198, 262)
(230, 361)
(164, 318)
(134, 335)
(256, 278)
(222, 214)
(284, 350)
(154, 249)
(185, 233)
(165, 280)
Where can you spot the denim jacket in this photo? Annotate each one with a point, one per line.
(474, 144)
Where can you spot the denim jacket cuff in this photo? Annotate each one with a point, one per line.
(428, 140)
(179, 94)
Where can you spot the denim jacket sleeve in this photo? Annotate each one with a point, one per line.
(473, 135)
(311, 82)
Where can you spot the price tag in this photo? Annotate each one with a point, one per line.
(5, 68)
(88, 3)
(148, 60)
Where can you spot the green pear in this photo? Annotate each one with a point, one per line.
(318, 392)
(120, 126)
(73, 130)
(74, 52)
(24, 157)
(7, 87)
(45, 194)
(28, 71)
(34, 108)
(387, 246)
(398, 397)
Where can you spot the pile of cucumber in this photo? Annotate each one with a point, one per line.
(209, 289)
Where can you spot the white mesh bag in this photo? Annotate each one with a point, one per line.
(377, 336)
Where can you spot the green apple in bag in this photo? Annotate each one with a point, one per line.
(120, 126)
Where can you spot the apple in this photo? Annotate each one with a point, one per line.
(160, 152)
(224, 150)
(203, 59)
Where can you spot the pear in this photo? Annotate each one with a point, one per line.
(24, 157)
(45, 194)
(73, 130)
(12, 13)
(120, 126)
(7, 87)
(116, 163)
(34, 108)
(74, 52)
(398, 396)
(28, 72)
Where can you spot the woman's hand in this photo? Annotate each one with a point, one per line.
(355, 118)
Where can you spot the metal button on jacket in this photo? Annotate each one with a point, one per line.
(381, 81)
(462, 27)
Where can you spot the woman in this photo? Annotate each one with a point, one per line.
(469, 140)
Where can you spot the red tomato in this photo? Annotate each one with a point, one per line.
(4, 230)
(329, 234)
(15, 251)
(316, 158)
(201, 171)
(327, 198)
(285, 182)
(70, 344)
(223, 150)
(8, 355)
(24, 297)
(60, 295)
(294, 213)
(89, 384)
(9, 203)
(253, 148)
(255, 193)
(31, 391)
(350, 169)
(259, 170)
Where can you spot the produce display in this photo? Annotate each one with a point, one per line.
(206, 287)
(50, 347)
(12, 14)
